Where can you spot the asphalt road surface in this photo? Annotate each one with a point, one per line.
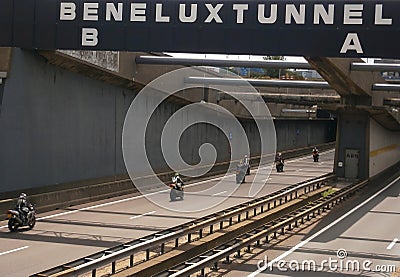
(64, 235)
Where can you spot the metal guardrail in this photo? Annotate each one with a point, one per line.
(158, 240)
(223, 252)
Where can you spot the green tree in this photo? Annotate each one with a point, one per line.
(273, 72)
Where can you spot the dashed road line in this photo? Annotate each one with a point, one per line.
(218, 193)
(390, 246)
(142, 215)
(13, 250)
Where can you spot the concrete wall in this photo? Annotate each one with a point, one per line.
(299, 133)
(384, 148)
(57, 126)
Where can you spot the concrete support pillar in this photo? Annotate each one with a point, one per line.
(352, 145)
(353, 100)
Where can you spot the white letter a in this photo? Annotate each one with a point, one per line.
(351, 42)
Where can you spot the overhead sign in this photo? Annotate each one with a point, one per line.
(309, 28)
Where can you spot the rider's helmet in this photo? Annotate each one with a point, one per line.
(22, 196)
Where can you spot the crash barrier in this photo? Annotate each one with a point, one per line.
(63, 198)
(200, 227)
(270, 230)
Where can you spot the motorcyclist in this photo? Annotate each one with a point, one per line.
(315, 154)
(241, 169)
(177, 180)
(246, 162)
(279, 160)
(23, 207)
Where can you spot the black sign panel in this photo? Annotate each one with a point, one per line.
(309, 28)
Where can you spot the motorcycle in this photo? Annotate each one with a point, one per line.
(315, 157)
(176, 191)
(279, 165)
(15, 220)
(241, 171)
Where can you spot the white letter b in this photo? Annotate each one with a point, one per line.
(89, 37)
(67, 11)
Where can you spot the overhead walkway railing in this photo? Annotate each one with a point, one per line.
(278, 83)
(386, 87)
(378, 67)
(289, 98)
(392, 101)
(161, 60)
(258, 82)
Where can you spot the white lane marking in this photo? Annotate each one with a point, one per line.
(143, 195)
(304, 242)
(13, 250)
(390, 246)
(141, 215)
(218, 193)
